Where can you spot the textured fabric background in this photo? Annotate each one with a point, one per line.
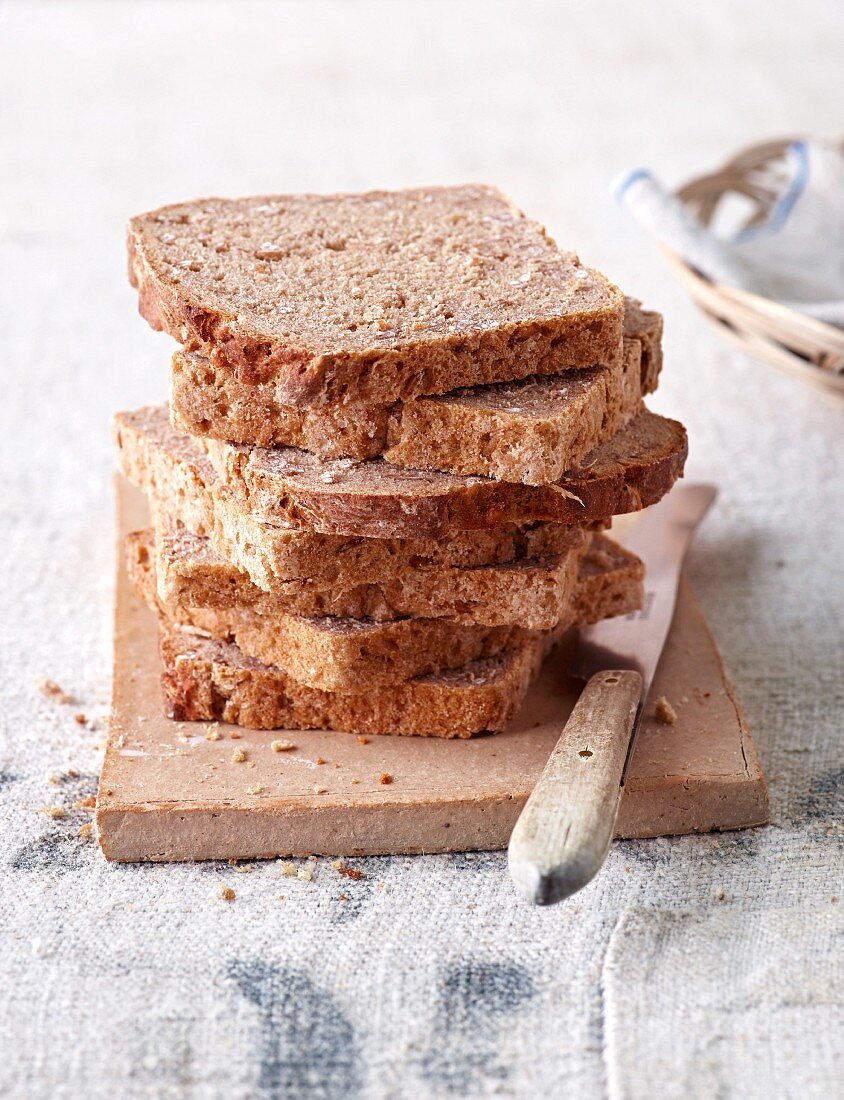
(697, 967)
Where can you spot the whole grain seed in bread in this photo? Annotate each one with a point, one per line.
(177, 478)
(532, 418)
(380, 296)
(212, 680)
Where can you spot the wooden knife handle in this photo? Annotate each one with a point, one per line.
(564, 831)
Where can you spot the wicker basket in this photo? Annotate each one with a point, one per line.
(785, 338)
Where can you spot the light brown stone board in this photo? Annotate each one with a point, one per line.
(168, 793)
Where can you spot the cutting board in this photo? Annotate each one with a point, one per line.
(167, 792)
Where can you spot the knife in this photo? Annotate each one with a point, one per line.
(564, 831)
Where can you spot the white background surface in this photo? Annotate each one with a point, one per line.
(138, 981)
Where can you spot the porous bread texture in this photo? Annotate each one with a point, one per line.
(534, 429)
(533, 594)
(176, 477)
(287, 485)
(215, 680)
(379, 296)
(205, 679)
(334, 654)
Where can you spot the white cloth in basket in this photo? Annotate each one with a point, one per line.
(796, 256)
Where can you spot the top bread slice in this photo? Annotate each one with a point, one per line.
(380, 296)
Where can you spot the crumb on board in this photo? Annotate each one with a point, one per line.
(319, 760)
(86, 831)
(363, 740)
(238, 756)
(320, 790)
(256, 788)
(56, 812)
(354, 781)
(227, 894)
(664, 712)
(212, 734)
(282, 746)
(385, 778)
(51, 690)
(235, 736)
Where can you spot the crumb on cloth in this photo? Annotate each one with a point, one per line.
(227, 894)
(51, 690)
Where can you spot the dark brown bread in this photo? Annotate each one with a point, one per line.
(213, 680)
(180, 482)
(376, 499)
(530, 430)
(380, 296)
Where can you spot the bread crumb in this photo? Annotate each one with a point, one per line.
(86, 830)
(85, 803)
(305, 873)
(55, 812)
(54, 778)
(349, 872)
(287, 868)
(354, 781)
(227, 894)
(235, 736)
(282, 746)
(385, 778)
(320, 790)
(719, 895)
(51, 690)
(319, 760)
(80, 718)
(256, 788)
(72, 773)
(363, 740)
(212, 735)
(238, 756)
(664, 712)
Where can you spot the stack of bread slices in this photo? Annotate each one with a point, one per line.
(399, 426)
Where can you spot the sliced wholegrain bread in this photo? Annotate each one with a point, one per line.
(214, 680)
(531, 430)
(180, 481)
(633, 469)
(532, 592)
(380, 296)
(334, 654)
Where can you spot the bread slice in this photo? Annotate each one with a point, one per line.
(333, 654)
(213, 680)
(177, 478)
(530, 431)
(380, 296)
(532, 593)
(294, 488)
